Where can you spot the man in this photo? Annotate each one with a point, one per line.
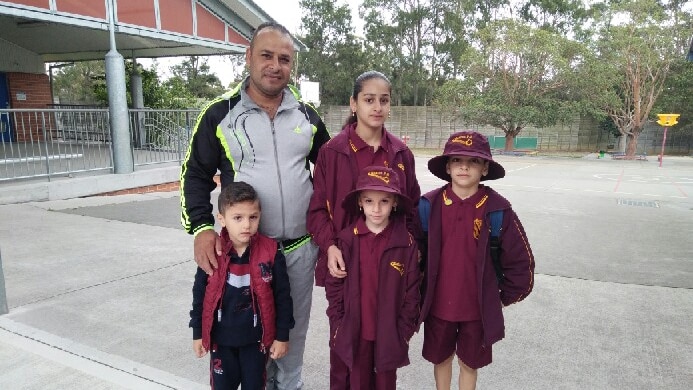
(261, 133)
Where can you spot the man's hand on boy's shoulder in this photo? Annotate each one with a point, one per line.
(278, 349)
(198, 349)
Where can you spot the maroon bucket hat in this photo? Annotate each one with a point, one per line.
(376, 178)
(466, 143)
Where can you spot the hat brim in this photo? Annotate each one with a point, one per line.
(351, 200)
(438, 167)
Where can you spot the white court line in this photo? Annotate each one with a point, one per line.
(521, 168)
(588, 190)
(90, 361)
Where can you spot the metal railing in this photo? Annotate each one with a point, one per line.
(46, 143)
(160, 135)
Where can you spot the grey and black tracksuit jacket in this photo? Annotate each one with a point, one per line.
(235, 136)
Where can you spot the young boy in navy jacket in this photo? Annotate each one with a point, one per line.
(374, 310)
(243, 312)
(463, 295)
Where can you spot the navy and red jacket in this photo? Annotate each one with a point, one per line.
(261, 312)
(516, 258)
(335, 175)
(397, 301)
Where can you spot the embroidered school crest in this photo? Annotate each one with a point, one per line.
(464, 139)
(398, 266)
(477, 228)
(382, 175)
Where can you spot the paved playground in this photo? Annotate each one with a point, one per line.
(99, 288)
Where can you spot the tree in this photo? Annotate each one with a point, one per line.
(560, 16)
(515, 75)
(629, 69)
(398, 39)
(335, 56)
(196, 75)
(75, 84)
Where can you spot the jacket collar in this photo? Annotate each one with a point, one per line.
(494, 202)
(290, 100)
(340, 143)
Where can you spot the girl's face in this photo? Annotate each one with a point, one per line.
(465, 172)
(377, 206)
(372, 105)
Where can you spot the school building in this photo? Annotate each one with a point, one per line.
(34, 33)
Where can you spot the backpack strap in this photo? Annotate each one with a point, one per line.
(424, 213)
(496, 218)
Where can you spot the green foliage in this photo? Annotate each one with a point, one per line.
(335, 57)
(195, 74)
(85, 83)
(677, 94)
(514, 76)
(76, 83)
(630, 63)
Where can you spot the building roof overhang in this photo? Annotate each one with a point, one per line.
(58, 36)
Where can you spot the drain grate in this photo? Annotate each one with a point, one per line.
(639, 203)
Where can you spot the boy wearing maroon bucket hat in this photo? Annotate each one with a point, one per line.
(463, 294)
(374, 310)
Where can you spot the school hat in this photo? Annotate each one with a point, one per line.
(376, 178)
(466, 143)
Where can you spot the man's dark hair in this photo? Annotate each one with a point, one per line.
(272, 26)
(236, 192)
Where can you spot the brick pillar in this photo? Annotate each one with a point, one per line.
(34, 92)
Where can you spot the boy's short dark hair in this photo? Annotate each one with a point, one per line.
(236, 192)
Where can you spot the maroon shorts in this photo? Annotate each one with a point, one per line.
(442, 338)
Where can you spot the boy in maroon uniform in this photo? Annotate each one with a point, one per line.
(374, 310)
(464, 295)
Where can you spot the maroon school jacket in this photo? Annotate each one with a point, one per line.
(398, 299)
(516, 260)
(335, 175)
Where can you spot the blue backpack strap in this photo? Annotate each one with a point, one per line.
(496, 218)
(424, 213)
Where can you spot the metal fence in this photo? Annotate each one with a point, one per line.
(160, 135)
(62, 141)
(46, 143)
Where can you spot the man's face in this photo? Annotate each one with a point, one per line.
(270, 61)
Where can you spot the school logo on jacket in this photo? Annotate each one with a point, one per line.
(398, 266)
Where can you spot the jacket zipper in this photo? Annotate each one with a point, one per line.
(279, 173)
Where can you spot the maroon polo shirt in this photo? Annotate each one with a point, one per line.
(365, 155)
(456, 292)
(371, 248)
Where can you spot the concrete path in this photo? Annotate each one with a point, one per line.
(98, 288)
